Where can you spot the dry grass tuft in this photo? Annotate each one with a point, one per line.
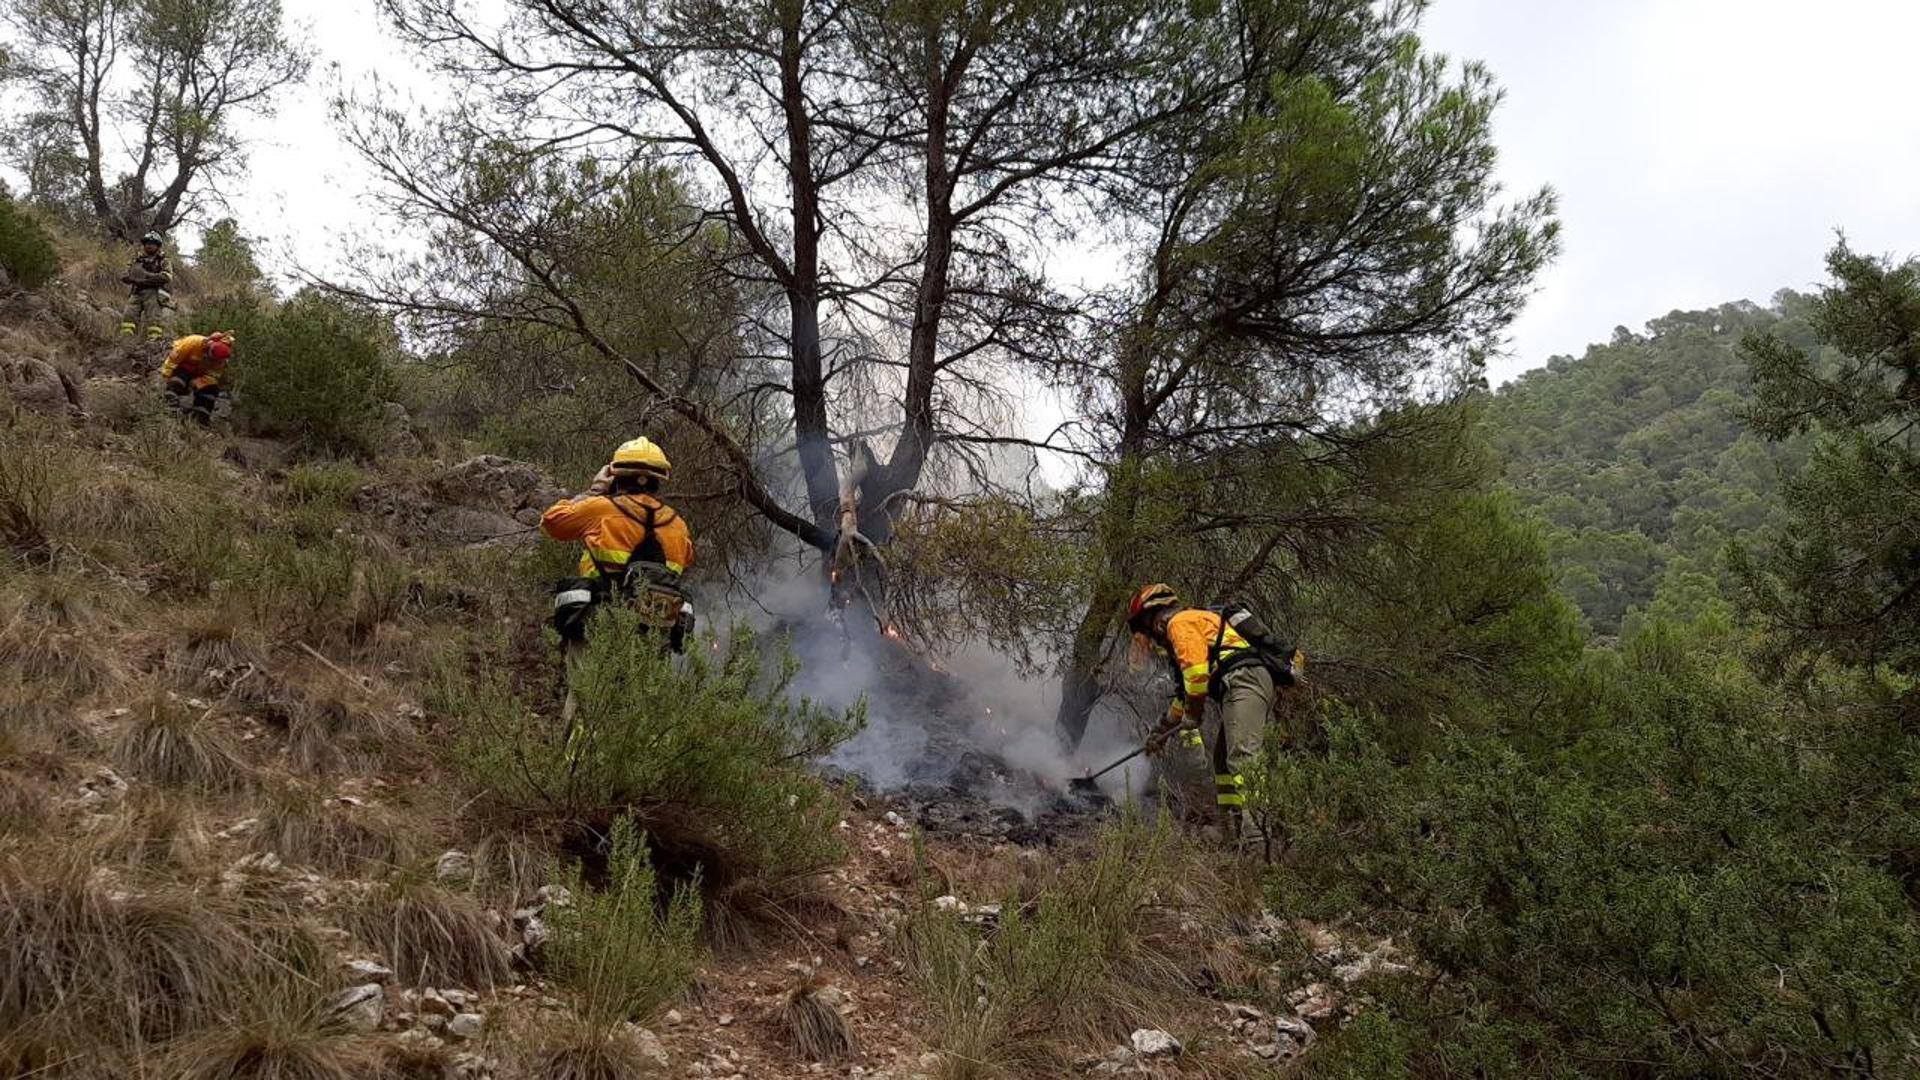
(165, 742)
(29, 487)
(1099, 949)
(588, 1052)
(40, 730)
(304, 826)
(26, 806)
(283, 1035)
(155, 828)
(57, 632)
(215, 639)
(432, 936)
(81, 964)
(332, 728)
(810, 1018)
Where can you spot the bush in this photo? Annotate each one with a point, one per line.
(312, 371)
(1675, 867)
(622, 951)
(708, 754)
(321, 589)
(26, 251)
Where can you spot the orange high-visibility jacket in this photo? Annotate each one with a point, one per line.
(1192, 634)
(191, 357)
(612, 532)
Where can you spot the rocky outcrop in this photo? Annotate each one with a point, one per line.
(38, 386)
(396, 437)
(485, 499)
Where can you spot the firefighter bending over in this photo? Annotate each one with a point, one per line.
(1213, 659)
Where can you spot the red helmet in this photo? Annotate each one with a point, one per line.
(219, 349)
(1150, 598)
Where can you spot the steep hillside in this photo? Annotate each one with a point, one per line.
(284, 792)
(1636, 453)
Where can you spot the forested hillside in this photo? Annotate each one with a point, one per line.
(356, 722)
(1637, 455)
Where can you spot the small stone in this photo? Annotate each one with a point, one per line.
(359, 1008)
(433, 1001)
(895, 820)
(674, 1018)
(649, 1046)
(1294, 1028)
(453, 867)
(949, 903)
(466, 1025)
(368, 971)
(424, 1040)
(557, 895)
(1153, 1043)
(726, 1019)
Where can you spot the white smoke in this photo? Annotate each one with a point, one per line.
(984, 701)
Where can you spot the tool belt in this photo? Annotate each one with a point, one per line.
(647, 589)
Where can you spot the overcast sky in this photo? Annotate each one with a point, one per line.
(1704, 150)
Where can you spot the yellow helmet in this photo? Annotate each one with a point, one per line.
(642, 456)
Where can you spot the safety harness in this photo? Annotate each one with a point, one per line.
(644, 580)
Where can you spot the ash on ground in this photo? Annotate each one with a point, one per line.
(928, 753)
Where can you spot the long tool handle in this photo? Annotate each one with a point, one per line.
(1115, 765)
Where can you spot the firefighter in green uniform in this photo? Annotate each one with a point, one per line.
(148, 276)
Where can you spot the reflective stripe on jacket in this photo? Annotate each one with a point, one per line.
(611, 533)
(1191, 634)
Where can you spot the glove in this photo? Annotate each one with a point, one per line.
(602, 480)
(1174, 721)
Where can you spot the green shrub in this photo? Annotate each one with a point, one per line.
(312, 370)
(26, 251)
(623, 952)
(1677, 867)
(324, 483)
(324, 587)
(709, 754)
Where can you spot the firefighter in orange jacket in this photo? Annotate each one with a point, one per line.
(635, 544)
(1211, 660)
(195, 371)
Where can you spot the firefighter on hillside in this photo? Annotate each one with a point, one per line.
(148, 276)
(195, 371)
(1213, 660)
(636, 548)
